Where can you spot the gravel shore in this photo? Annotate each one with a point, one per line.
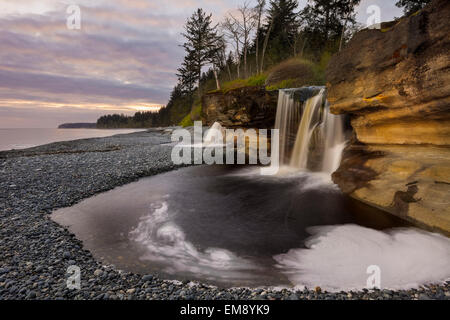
(35, 251)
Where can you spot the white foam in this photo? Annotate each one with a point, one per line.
(318, 180)
(337, 258)
(165, 242)
(306, 180)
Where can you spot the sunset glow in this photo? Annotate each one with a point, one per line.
(123, 59)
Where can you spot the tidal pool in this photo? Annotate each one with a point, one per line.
(229, 226)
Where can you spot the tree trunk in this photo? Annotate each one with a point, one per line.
(238, 65)
(199, 81)
(245, 61)
(216, 77)
(257, 37)
(303, 47)
(257, 50)
(238, 57)
(266, 41)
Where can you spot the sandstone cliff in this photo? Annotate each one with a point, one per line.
(395, 84)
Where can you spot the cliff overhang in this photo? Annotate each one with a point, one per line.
(395, 85)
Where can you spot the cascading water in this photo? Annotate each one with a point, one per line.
(287, 119)
(334, 138)
(310, 136)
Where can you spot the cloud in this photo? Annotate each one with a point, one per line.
(126, 53)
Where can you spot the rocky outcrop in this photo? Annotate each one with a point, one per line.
(247, 107)
(395, 85)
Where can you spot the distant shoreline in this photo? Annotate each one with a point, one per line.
(78, 125)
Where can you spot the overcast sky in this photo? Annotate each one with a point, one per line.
(123, 58)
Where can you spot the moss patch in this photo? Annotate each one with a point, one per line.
(187, 121)
(194, 115)
(284, 84)
(254, 81)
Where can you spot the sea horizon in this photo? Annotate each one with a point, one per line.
(23, 138)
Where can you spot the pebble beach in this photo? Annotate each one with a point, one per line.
(36, 251)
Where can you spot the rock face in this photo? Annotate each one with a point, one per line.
(248, 107)
(395, 85)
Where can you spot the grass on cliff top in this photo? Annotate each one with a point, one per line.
(290, 75)
(254, 81)
(284, 84)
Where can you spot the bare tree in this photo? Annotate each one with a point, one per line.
(343, 32)
(239, 28)
(247, 24)
(218, 59)
(232, 31)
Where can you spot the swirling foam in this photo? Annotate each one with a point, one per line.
(337, 258)
(165, 242)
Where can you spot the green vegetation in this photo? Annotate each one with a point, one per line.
(275, 44)
(257, 80)
(288, 83)
(194, 115)
(187, 121)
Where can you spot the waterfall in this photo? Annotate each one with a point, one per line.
(310, 136)
(334, 138)
(286, 121)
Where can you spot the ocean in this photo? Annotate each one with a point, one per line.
(27, 138)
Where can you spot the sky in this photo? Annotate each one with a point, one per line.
(122, 59)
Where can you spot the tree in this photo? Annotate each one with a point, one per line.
(325, 21)
(201, 42)
(247, 23)
(239, 28)
(218, 59)
(259, 11)
(188, 74)
(266, 42)
(411, 6)
(229, 64)
(281, 28)
(233, 32)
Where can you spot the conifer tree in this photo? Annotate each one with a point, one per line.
(187, 74)
(326, 20)
(281, 28)
(201, 43)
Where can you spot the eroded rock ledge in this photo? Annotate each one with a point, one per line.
(395, 84)
(248, 107)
